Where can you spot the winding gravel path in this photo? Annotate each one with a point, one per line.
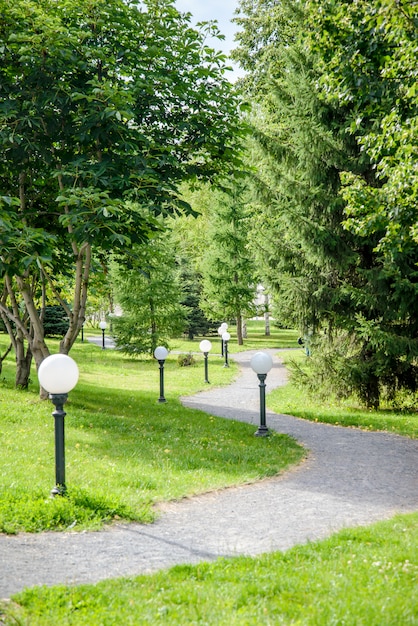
(349, 478)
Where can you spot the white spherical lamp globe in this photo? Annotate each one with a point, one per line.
(261, 362)
(205, 345)
(226, 336)
(161, 353)
(58, 373)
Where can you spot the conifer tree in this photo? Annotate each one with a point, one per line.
(312, 157)
(149, 295)
(229, 277)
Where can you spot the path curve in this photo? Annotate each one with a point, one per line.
(350, 478)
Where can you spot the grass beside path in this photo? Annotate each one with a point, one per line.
(366, 576)
(293, 401)
(255, 340)
(124, 450)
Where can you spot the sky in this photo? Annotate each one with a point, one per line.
(220, 10)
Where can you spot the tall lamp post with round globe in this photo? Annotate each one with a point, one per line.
(161, 353)
(261, 363)
(225, 338)
(103, 327)
(58, 374)
(205, 347)
(221, 330)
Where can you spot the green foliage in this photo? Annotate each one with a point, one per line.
(148, 292)
(229, 275)
(340, 368)
(325, 402)
(368, 52)
(55, 321)
(101, 103)
(190, 281)
(184, 360)
(334, 206)
(189, 234)
(358, 576)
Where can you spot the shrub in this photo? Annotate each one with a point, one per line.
(186, 359)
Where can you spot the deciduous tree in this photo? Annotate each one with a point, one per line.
(101, 102)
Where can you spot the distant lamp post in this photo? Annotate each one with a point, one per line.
(58, 374)
(225, 338)
(221, 330)
(205, 347)
(161, 354)
(262, 363)
(103, 326)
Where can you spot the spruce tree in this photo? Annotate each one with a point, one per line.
(330, 275)
(228, 270)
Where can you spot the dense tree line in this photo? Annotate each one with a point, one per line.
(335, 180)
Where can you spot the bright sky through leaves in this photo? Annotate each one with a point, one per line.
(220, 10)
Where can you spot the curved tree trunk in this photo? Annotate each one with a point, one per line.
(77, 314)
(23, 364)
(3, 356)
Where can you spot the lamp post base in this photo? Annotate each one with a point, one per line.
(262, 431)
(58, 490)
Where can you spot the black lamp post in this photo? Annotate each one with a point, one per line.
(103, 326)
(205, 347)
(262, 363)
(221, 330)
(161, 354)
(225, 338)
(58, 374)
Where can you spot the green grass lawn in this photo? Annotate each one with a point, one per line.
(125, 452)
(361, 577)
(255, 340)
(293, 401)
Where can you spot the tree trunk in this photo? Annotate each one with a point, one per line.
(369, 388)
(371, 393)
(3, 356)
(23, 363)
(239, 329)
(36, 338)
(77, 314)
(20, 335)
(266, 315)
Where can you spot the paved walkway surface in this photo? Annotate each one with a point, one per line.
(349, 478)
